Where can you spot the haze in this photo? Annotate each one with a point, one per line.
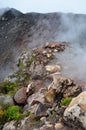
(44, 6)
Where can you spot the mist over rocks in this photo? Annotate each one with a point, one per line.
(40, 100)
(21, 32)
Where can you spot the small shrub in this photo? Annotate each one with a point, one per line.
(66, 101)
(13, 113)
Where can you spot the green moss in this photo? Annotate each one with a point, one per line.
(13, 113)
(66, 101)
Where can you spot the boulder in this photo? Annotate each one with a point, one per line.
(75, 114)
(59, 126)
(52, 68)
(50, 96)
(6, 100)
(21, 96)
(35, 98)
(22, 125)
(39, 84)
(9, 126)
(30, 89)
(39, 110)
(65, 87)
(37, 72)
(47, 127)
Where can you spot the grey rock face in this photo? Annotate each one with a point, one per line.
(6, 100)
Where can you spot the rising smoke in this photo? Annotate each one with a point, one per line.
(57, 27)
(73, 30)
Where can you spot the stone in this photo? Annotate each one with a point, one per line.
(49, 55)
(47, 127)
(75, 114)
(39, 110)
(59, 46)
(35, 98)
(37, 72)
(20, 97)
(50, 96)
(30, 89)
(6, 100)
(52, 68)
(9, 126)
(39, 84)
(43, 119)
(64, 86)
(59, 126)
(21, 125)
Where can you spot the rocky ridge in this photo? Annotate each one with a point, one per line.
(42, 93)
(21, 32)
(38, 96)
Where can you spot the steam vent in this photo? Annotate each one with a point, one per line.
(42, 71)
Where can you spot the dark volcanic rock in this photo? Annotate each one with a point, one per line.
(10, 14)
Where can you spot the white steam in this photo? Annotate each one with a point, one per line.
(73, 30)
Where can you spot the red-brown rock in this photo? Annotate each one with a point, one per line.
(20, 97)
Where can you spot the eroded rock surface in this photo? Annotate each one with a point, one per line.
(75, 114)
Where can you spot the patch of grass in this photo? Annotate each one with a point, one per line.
(66, 101)
(13, 113)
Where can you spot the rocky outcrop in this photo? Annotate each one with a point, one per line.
(75, 114)
(64, 86)
(43, 91)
